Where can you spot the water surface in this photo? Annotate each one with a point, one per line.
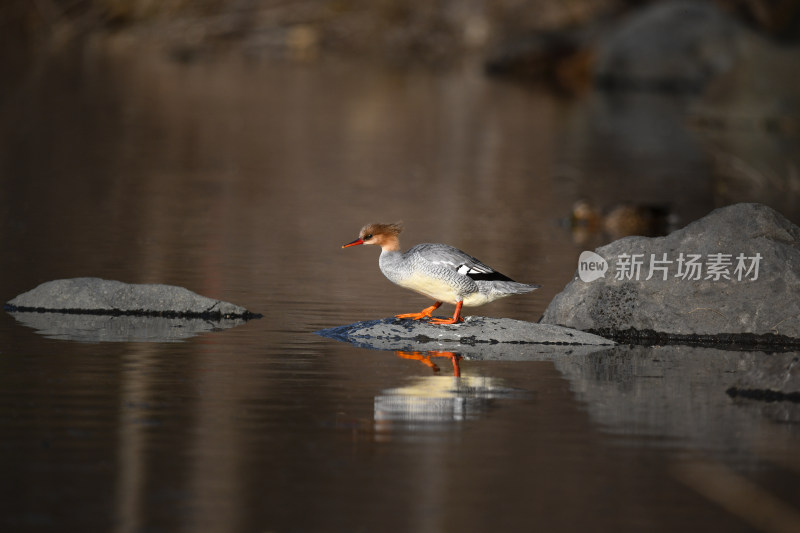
(240, 181)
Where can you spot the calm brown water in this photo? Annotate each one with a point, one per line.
(241, 181)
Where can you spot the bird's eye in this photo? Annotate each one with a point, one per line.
(367, 237)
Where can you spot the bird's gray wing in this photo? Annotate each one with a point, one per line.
(454, 259)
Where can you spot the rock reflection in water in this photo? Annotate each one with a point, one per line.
(676, 393)
(106, 328)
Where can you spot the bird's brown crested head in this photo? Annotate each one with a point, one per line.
(383, 230)
(383, 235)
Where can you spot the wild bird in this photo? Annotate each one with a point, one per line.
(438, 271)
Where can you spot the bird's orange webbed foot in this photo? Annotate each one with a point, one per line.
(425, 313)
(455, 319)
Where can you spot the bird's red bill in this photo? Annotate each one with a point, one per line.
(354, 243)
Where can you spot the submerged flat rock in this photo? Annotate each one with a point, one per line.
(774, 379)
(107, 297)
(475, 338)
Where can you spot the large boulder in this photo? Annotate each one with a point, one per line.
(731, 276)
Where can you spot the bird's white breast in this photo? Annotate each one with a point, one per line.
(430, 286)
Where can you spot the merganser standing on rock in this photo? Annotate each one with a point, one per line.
(438, 271)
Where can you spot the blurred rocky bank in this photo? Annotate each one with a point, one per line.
(726, 67)
(673, 44)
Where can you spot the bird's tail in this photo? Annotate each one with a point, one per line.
(508, 287)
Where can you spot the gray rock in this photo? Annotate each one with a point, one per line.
(106, 297)
(729, 304)
(475, 338)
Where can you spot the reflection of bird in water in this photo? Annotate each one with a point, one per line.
(587, 221)
(425, 359)
(438, 271)
(440, 399)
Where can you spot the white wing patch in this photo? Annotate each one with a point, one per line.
(466, 270)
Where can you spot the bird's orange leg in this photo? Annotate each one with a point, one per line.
(456, 316)
(425, 313)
